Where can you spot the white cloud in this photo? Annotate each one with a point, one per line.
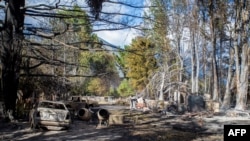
(119, 37)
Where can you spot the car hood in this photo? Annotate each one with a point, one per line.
(53, 114)
(52, 111)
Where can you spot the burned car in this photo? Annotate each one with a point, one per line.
(82, 102)
(50, 115)
(75, 104)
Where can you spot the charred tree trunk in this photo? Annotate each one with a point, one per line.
(241, 53)
(213, 42)
(227, 97)
(194, 65)
(11, 47)
(194, 25)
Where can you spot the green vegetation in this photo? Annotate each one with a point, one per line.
(140, 62)
(125, 89)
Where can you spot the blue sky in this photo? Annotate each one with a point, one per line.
(117, 37)
(122, 37)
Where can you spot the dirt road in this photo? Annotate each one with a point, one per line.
(139, 126)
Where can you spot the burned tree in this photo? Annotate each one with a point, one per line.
(14, 32)
(11, 46)
(12, 38)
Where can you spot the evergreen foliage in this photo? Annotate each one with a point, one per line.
(125, 89)
(140, 62)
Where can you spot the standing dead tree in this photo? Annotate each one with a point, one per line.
(11, 47)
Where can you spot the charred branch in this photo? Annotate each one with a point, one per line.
(54, 62)
(57, 75)
(47, 35)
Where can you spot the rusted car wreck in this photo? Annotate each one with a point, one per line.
(50, 115)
